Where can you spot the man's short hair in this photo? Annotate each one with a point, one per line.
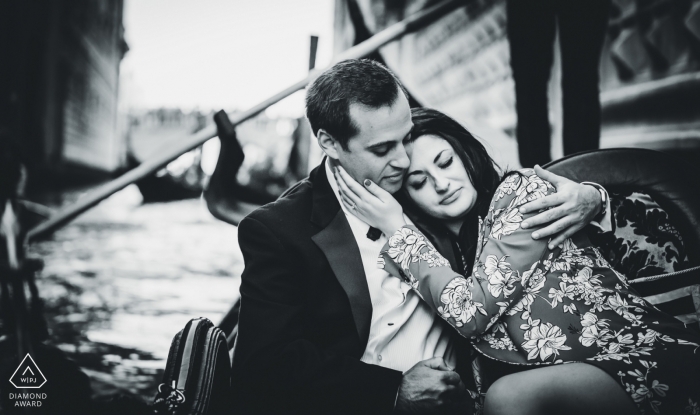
(353, 81)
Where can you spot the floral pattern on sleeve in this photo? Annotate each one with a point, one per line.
(408, 246)
(458, 307)
(524, 304)
(575, 307)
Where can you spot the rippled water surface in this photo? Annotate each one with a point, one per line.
(120, 281)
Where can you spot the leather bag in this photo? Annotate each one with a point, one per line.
(197, 378)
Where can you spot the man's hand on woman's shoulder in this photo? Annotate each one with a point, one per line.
(572, 207)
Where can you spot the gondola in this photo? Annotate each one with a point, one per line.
(230, 202)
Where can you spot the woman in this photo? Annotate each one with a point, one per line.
(524, 306)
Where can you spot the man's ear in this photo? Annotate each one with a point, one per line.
(328, 144)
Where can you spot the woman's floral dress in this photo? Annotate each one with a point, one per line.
(524, 304)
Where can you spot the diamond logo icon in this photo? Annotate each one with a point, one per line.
(28, 375)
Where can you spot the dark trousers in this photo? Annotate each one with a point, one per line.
(531, 33)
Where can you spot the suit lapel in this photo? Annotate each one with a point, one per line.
(338, 244)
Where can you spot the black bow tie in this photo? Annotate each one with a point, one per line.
(374, 233)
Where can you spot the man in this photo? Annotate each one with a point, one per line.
(322, 329)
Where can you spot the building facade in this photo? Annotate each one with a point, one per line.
(650, 70)
(59, 85)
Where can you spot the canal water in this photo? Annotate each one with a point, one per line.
(121, 280)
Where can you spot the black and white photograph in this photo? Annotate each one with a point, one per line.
(472, 207)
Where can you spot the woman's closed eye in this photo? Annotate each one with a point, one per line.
(417, 184)
(445, 164)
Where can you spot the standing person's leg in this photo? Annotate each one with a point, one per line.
(531, 30)
(582, 28)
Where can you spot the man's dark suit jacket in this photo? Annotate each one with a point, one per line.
(306, 310)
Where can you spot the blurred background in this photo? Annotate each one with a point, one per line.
(90, 89)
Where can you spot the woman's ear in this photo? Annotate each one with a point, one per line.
(328, 144)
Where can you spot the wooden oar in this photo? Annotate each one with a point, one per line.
(173, 151)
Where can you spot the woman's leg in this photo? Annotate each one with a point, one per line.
(574, 388)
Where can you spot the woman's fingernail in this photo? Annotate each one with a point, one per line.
(535, 235)
(524, 225)
(368, 182)
(551, 246)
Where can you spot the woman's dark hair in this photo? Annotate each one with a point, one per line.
(480, 167)
(476, 160)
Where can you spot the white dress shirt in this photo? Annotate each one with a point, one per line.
(404, 330)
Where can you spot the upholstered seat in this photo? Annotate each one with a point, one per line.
(656, 210)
